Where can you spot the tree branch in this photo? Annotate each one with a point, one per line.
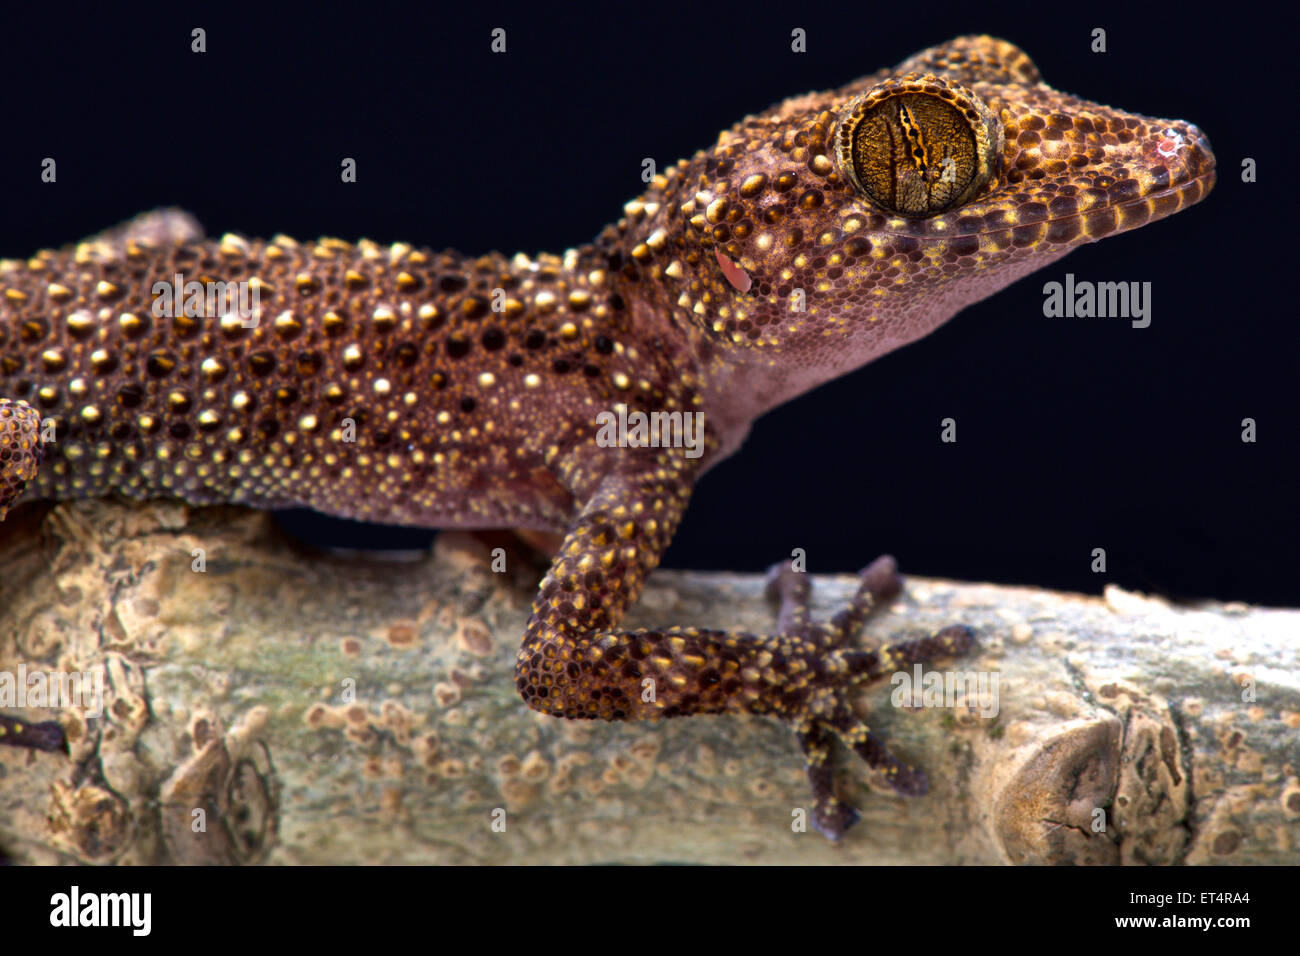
(1126, 730)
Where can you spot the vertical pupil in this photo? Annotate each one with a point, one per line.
(913, 134)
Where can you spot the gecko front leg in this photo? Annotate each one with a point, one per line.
(20, 449)
(575, 662)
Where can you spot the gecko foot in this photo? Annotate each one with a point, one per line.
(822, 711)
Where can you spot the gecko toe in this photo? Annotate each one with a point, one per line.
(789, 590)
(47, 735)
(881, 577)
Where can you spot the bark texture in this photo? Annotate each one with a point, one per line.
(264, 703)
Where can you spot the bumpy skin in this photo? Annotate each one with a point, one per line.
(473, 385)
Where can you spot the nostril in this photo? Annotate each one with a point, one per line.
(1184, 149)
(1170, 143)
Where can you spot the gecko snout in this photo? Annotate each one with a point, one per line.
(1181, 167)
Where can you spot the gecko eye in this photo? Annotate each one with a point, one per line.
(918, 144)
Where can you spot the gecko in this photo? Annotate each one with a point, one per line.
(401, 385)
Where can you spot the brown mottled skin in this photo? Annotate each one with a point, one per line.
(887, 206)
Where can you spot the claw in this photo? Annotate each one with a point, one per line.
(834, 825)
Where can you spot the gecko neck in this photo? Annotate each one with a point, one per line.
(742, 383)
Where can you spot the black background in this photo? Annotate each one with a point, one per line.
(1073, 433)
(265, 900)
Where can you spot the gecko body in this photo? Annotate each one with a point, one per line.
(400, 385)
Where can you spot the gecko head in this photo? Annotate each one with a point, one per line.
(850, 222)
